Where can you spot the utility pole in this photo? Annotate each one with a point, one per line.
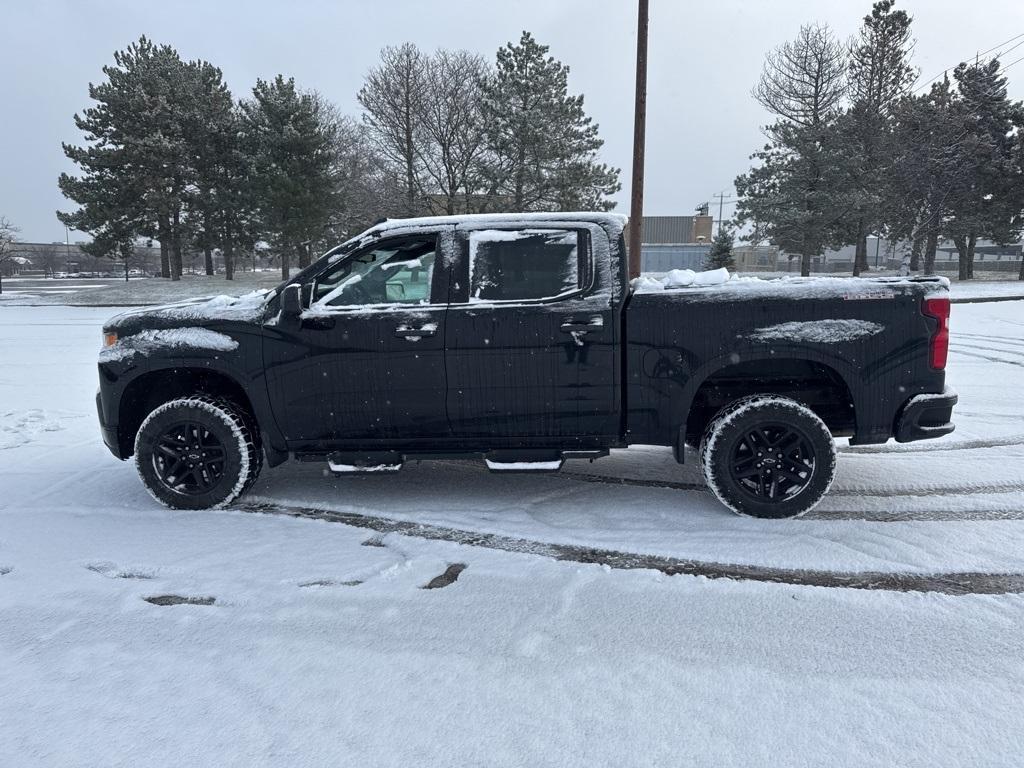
(636, 207)
(722, 198)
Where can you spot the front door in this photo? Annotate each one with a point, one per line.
(530, 338)
(366, 364)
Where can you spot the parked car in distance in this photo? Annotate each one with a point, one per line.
(521, 340)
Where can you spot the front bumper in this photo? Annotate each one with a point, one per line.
(111, 438)
(926, 416)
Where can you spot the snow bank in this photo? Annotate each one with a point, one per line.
(146, 342)
(818, 331)
(680, 278)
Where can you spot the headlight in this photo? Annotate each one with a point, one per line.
(109, 339)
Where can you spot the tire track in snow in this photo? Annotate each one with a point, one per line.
(959, 445)
(952, 583)
(989, 358)
(1010, 340)
(930, 490)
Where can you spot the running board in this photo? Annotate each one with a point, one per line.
(371, 461)
(511, 460)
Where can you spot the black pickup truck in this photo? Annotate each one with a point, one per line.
(521, 340)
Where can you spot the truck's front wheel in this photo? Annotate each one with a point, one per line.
(768, 456)
(196, 453)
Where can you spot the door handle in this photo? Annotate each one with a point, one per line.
(574, 326)
(318, 322)
(404, 332)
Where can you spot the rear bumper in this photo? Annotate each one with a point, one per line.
(926, 416)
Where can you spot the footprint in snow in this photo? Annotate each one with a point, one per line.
(20, 427)
(4, 570)
(112, 571)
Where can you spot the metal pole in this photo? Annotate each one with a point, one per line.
(636, 208)
(67, 249)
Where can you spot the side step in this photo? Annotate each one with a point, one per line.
(370, 461)
(512, 460)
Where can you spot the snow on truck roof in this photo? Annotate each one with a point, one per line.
(487, 219)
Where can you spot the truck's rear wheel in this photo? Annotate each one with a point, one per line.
(196, 453)
(768, 456)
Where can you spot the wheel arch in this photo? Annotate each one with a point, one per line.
(156, 386)
(820, 384)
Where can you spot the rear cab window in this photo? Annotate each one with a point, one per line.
(524, 265)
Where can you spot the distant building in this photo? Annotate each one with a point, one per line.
(674, 242)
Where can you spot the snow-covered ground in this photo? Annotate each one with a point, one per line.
(318, 650)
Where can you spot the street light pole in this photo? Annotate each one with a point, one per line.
(636, 208)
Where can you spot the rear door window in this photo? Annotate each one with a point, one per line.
(525, 264)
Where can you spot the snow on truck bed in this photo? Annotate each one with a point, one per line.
(720, 285)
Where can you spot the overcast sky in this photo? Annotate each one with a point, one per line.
(704, 58)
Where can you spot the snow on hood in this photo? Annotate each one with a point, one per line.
(246, 308)
(146, 342)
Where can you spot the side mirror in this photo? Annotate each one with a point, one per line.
(291, 301)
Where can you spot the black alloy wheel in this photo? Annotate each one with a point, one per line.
(768, 456)
(772, 461)
(188, 458)
(197, 452)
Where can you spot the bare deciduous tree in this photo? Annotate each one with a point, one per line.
(393, 100)
(452, 124)
(804, 80)
(8, 249)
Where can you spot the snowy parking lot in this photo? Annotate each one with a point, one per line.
(884, 628)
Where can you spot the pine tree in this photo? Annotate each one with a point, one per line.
(924, 169)
(134, 170)
(795, 197)
(987, 202)
(542, 146)
(720, 254)
(879, 76)
(291, 137)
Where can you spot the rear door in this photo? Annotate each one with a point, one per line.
(530, 338)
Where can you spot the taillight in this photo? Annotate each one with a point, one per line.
(939, 309)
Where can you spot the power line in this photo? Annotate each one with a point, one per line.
(944, 71)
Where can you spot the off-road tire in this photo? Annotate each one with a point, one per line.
(223, 423)
(730, 448)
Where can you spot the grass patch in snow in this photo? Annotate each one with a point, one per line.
(179, 600)
(331, 583)
(450, 575)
